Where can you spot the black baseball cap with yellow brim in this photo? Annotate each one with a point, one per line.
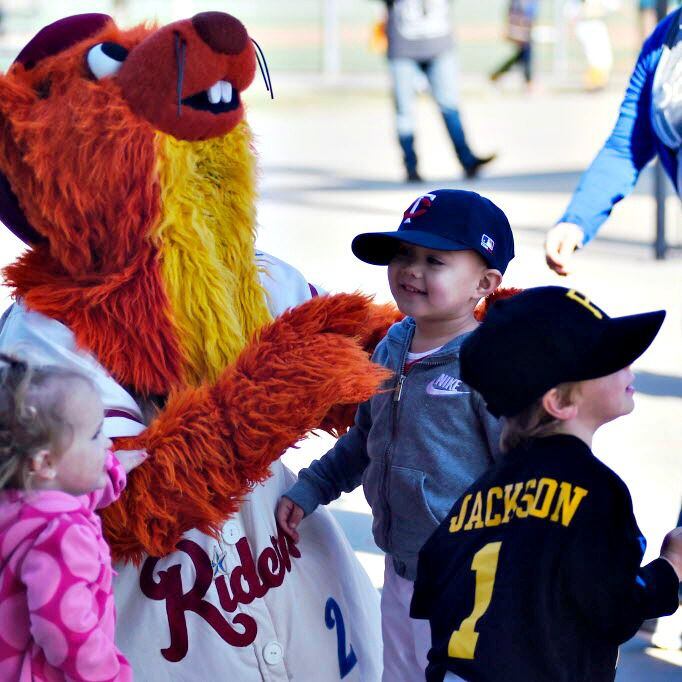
(546, 336)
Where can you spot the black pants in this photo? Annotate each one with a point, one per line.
(522, 56)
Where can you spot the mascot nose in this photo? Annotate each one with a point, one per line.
(221, 32)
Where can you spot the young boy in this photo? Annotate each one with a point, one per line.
(535, 574)
(417, 446)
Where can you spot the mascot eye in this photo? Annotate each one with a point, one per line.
(105, 59)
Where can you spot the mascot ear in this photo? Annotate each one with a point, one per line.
(16, 101)
(60, 36)
(18, 96)
(13, 217)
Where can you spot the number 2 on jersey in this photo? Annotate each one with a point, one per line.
(334, 618)
(463, 641)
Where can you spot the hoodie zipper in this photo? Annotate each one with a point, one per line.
(398, 390)
(397, 394)
(384, 486)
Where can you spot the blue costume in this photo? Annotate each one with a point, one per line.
(649, 125)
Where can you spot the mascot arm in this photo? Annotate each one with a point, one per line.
(287, 287)
(380, 317)
(210, 444)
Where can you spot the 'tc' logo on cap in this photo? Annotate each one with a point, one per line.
(585, 302)
(419, 207)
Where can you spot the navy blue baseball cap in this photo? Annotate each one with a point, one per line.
(446, 220)
(546, 336)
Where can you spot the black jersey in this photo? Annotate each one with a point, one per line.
(535, 574)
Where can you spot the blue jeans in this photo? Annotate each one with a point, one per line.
(442, 75)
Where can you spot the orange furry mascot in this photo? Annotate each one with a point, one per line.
(126, 165)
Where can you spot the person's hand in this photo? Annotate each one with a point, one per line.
(562, 240)
(289, 515)
(671, 550)
(129, 459)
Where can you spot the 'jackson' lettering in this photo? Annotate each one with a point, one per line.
(556, 501)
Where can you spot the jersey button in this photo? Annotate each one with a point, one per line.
(232, 532)
(273, 653)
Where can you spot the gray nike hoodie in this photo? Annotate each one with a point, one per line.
(416, 447)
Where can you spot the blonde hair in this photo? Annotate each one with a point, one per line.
(534, 421)
(31, 415)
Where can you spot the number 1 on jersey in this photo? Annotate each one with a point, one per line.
(463, 641)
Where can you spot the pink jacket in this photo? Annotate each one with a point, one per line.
(56, 603)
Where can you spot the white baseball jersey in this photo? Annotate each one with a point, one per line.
(250, 606)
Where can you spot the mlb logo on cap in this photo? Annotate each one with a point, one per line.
(445, 220)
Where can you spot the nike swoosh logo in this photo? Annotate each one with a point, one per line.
(431, 389)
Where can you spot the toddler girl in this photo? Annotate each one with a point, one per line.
(56, 468)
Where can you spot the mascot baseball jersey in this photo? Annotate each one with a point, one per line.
(535, 574)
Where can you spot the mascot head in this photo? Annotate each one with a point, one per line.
(126, 165)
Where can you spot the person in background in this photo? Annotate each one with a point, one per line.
(520, 19)
(419, 39)
(649, 125)
(593, 35)
(647, 13)
(646, 17)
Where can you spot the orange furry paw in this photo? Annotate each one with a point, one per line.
(503, 292)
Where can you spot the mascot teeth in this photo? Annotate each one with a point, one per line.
(214, 93)
(225, 91)
(220, 91)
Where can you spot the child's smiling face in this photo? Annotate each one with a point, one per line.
(604, 399)
(433, 285)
